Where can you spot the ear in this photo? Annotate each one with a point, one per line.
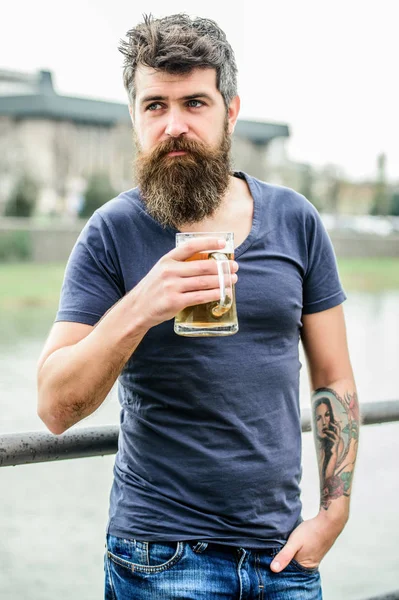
(232, 113)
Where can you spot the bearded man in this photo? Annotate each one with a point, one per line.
(205, 501)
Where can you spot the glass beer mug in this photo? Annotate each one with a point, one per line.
(213, 318)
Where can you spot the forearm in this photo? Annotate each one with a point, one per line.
(74, 380)
(336, 446)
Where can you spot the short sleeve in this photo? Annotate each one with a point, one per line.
(322, 288)
(92, 282)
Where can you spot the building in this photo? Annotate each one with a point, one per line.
(62, 140)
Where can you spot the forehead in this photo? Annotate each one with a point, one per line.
(154, 82)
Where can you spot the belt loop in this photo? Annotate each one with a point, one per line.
(200, 547)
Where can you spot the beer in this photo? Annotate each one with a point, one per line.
(213, 318)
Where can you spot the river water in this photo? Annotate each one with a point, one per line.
(53, 516)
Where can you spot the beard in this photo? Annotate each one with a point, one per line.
(187, 188)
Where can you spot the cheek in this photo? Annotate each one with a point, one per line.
(145, 138)
(147, 133)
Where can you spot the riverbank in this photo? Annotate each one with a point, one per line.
(369, 274)
(38, 285)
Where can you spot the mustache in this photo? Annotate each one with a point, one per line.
(178, 145)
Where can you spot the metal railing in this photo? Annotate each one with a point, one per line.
(392, 596)
(82, 442)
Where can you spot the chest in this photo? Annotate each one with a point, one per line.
(235, 215)
(269, 291)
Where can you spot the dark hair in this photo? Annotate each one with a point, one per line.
(327, 402)
(178, 44)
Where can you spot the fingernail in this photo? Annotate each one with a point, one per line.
(222, 243)
(275, 566)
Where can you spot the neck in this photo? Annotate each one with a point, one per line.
(235, 213)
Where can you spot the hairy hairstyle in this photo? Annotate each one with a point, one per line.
(177, 44)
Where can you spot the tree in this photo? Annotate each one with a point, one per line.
(381, 200)
(23, 198)
(98, 191)
(306, 184)
(395, 204)
(333, 178)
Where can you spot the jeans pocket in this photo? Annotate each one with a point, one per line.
(296, 565)
(142, 556)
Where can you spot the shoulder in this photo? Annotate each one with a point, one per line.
(113, 216)
(118, 213)
(279, 194)
(281, 201)
(126, 204)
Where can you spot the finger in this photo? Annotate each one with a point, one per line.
(195, 268)
(200, 297)
(209, 282)
(329, 432)
(284, 557)
(191, 247)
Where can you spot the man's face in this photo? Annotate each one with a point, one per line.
(182, 131)
(172, 106)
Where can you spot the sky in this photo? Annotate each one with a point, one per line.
(328, 69)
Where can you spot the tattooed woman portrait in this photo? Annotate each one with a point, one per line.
(328, 432)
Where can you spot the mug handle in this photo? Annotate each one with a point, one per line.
(223, 267)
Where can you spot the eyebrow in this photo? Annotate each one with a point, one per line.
(189, 97)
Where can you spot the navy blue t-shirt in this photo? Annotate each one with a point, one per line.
(210, 432)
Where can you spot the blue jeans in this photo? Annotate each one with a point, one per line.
(136, 570)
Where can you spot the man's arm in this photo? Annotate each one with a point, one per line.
(335, 417)
(80, 364)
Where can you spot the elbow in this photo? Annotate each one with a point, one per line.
(53, 423)
(48, 407)
(49, 412)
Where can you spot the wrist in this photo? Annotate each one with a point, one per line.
(135, 319)
(124, 325)
(334, 517)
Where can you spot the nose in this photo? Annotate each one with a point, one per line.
(176, 125)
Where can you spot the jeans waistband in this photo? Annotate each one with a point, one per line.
(199, 547)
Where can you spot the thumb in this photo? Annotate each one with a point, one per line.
(284, 557)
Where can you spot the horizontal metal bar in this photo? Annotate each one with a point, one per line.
(42, 446)
(371, 413)
(81, 442)
(391, 596)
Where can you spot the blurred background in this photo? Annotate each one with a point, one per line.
(319, 114)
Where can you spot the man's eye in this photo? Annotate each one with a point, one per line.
(154, 106)
(195, 103)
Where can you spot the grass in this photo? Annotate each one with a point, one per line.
(369, 274)
(28, 285)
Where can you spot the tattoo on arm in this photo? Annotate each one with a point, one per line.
(336, 433)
